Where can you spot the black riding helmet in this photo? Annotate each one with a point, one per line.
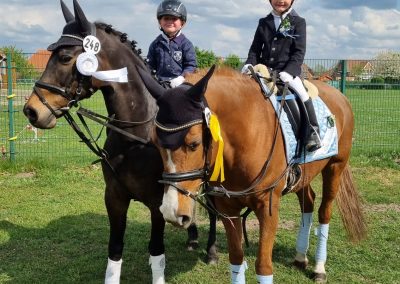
(172, 8)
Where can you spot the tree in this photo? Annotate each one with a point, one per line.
(387, 65)
(23, 68)
(233, 61)
(205, 58)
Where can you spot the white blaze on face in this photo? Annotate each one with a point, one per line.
(169, 204)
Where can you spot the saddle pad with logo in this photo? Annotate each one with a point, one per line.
(328, 133)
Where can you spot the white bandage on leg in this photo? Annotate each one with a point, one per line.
(238, 275)
(303, 236)
(157, 264)
(321, 252)
(113, 272)
(265, 279)
(298, 86)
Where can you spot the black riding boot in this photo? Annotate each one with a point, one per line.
(313, 140)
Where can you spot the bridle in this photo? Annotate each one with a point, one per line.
(66, 93)
(206, 190)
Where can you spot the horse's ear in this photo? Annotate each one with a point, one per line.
(86, 26)
(154, 88)
(198, 90)
(68, 16)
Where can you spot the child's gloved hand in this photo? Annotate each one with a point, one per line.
(285, 77)
(177, 81)
(245, 69)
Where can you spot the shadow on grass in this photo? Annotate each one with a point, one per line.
(73, 249)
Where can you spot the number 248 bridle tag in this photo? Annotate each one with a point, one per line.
(91, 44)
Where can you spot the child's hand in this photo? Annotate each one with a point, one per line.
(285, 77)
(245, 69)
(177, 81)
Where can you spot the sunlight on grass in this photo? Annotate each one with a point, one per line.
(4, 238)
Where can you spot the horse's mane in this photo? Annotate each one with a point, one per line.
(123, 37)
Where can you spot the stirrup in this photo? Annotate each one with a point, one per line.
(314, 141)
(293, 179)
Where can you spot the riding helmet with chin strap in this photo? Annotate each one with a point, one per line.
(172, 8)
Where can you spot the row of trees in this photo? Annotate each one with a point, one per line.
(20, 61)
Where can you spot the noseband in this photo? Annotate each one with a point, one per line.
(71, 97)
(173, 179)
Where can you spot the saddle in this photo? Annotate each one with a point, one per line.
(292, 104)
(294, 109)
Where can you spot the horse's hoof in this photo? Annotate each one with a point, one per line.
(192, 245)
(320, 278)
(212, 260)
(302, 265)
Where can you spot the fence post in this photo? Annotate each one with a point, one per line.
(343, 76)
(10, 98)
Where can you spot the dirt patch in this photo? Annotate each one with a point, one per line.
(287, 225)
(26, 175)
(383, 208)
(253, 225)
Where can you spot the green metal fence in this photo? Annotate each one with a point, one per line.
(375, 97)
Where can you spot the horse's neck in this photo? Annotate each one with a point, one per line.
(247, 119)
(128, 101)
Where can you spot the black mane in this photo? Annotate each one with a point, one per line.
(123, 37)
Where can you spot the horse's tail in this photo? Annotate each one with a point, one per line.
(349, 203)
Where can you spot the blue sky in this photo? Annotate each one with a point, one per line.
(339, 29)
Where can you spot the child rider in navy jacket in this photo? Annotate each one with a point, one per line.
(171, 54)
(280, 44)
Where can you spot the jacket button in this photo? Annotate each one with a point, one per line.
(271, 59)
(275, 38)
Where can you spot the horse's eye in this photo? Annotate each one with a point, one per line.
(193, 146)
(64, 59)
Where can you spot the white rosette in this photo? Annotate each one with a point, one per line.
(87, 63)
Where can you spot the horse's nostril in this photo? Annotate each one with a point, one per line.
(186, 221)
(30, 114)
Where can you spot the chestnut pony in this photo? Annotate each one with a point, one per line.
(254, 161)
(131, 167)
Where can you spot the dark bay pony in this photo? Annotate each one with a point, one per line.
(132, 167)
(255, 166)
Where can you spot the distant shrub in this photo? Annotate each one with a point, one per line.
(233, 61)
(205, 58)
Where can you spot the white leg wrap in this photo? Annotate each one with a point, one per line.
(321, 252)
(238, 275)
(113, 272)
(265, 279)
(298, 86)
(303, 236)
(157, 264)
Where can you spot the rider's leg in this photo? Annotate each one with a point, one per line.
(313, 140)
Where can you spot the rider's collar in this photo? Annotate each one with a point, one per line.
(167, 38)
(275, 14)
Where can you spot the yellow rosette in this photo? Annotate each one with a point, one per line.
(215, 130)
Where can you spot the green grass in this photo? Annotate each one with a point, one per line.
(54, 229)
(377, 120)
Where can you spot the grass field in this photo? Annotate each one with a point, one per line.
(54, 229)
